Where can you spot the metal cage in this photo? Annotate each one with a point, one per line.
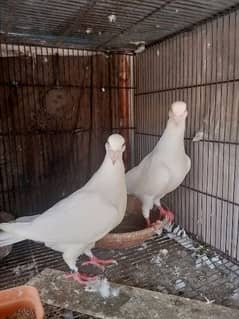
(72, 72)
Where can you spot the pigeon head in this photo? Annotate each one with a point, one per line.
(115, 146)
(178, 111)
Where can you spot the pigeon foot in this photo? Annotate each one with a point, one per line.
(99, 262)
(166, 214)
(81, 278)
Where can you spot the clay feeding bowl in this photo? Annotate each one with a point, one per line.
(132, 231)
(20, 298)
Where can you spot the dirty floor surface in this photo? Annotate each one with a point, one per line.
(160, 264)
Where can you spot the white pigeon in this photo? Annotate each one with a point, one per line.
(164, 169)
(73, 225)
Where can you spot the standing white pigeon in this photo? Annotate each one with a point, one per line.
(73, 225)
(164, 169)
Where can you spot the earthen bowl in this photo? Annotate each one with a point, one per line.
(26, 297)
(133, 230)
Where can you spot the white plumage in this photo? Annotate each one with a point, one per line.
(73, 225)
(165, 168)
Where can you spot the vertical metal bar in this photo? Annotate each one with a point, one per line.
(224, 189)
(207, 96)
(199, 81)
(8, 133)
(211, 171)
(24, 96)
(43, 135)
(214, 126)
(235, 102)
(5, 138)
(219, 136)
(34, 137)
(17, 132)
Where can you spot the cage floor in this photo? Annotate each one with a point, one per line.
(160, 264)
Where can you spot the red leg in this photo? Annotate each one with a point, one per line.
(99, 262)
(148, 222)
(166, 214)
(81, 278)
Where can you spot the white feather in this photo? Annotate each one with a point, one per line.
(74, 224)
(164, 169)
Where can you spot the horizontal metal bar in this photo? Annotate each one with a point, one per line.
(43, 132)
(210, 195)
(194, 25)
(187, 87)
(191, 138)
(62, 86)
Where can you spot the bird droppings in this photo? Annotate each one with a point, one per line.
(204, 260)
(102, 286)
(54, 286)
(157, 260)
(159, 231)
(112, 18)
(88, 30)
(22, 268)
(208, 301)
(198, 136)
(140, 49)
(216, 260)
(142, 247)
(131, 303)
(179, 284)
(135, 269)
(163, 252)
(176, 271)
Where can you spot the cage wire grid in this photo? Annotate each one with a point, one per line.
(105, 25)
(57, 108)
(199, 275)
(201, 68)
(188, 65)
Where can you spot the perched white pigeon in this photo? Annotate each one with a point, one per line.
(73, 225)
(164, 169)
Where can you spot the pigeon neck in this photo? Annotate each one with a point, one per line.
(111, 180)
(109, 172)
(174, 133)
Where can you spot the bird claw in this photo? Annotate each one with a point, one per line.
(99, 262)
(81, 278)
(166, 214)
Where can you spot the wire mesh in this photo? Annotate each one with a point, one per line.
(200, 67)
(201, 273)
(57, 108)
(101, 24)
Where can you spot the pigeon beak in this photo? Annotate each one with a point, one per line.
(179, 118)
(114, 155)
